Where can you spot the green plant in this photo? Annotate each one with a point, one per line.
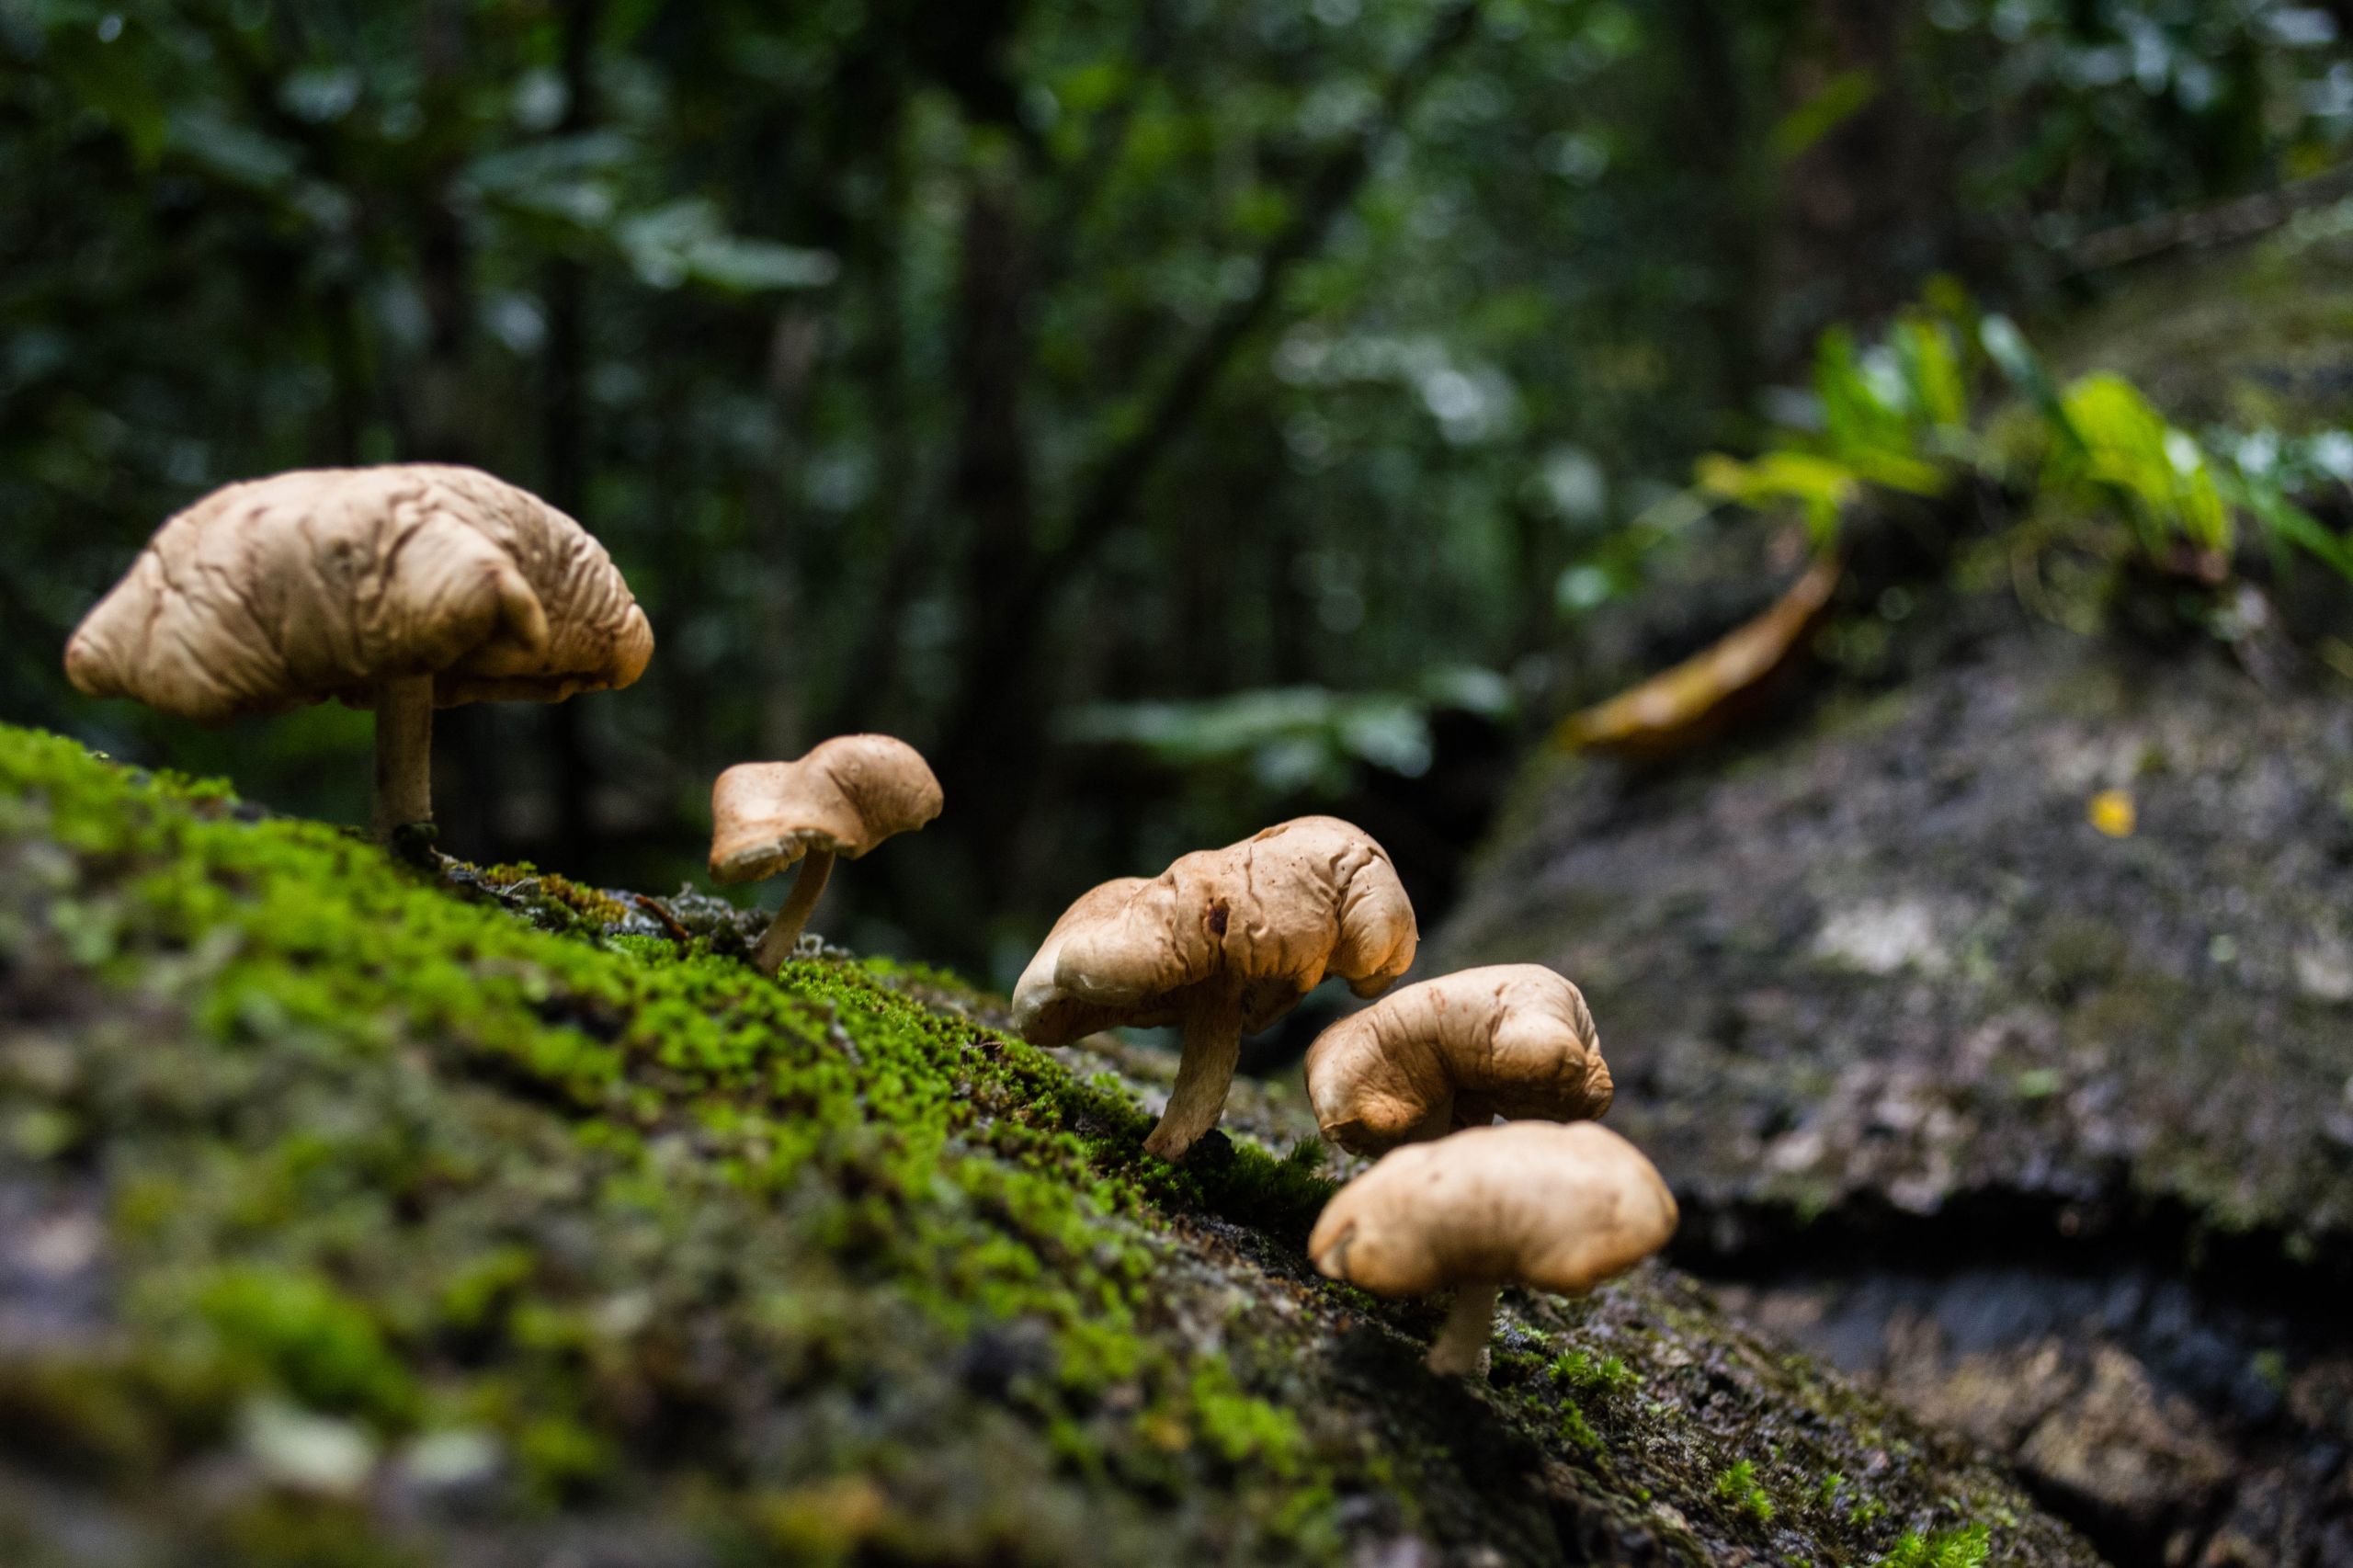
(1897, 416)
(1581, 1370)
(2122, 450)
(1966, 1547)
(1894, 415)
(1739, 1486)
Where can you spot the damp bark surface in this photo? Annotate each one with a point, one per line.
(1993, 1023)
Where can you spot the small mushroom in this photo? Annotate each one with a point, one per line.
(1223, 943)
(402, 588)
(845, 797)
(1536, 1203)
(1511, 1040)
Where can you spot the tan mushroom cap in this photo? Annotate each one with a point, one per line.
(845, 797)
(1266, 919)
(326, 583)
(1558, 1207)
(1508, 1040)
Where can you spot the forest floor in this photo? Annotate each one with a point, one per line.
(357, 1212)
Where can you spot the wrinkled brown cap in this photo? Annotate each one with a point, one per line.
(1266, 918)
(1559, 1207)
(322, 583)
(845, 797)
(1511, 1040)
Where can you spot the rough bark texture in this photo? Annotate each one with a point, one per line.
(1985, 1102)
(2044, 1131)
(352, 1213)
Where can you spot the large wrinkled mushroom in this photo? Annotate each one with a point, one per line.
(842, 798)
(1223, 943)
(400, 588)
(1510, 1039)
(1534, 1203)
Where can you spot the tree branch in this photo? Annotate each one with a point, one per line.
(1105, 500)
(2222, 222)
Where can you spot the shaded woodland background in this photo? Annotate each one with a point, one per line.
(1169, 415)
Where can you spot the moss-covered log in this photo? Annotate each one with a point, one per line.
(346, 1217)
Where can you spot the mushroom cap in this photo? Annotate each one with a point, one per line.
(321, 582)
(1262, 921)
(1515, 1038)
(1556, 1205)
(846, 796)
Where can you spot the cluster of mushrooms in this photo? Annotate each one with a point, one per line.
(407, 587)
(1226, 941)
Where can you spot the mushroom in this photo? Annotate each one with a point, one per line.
(1223, 943)
(1535, 1203)
(845, 797)
(402, 588)
(1510, 1039)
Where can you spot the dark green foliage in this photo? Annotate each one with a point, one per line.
(954, 370)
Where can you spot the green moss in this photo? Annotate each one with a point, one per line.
(815, 1268)
(545, 888)
(427, 1097)
(1605, 1375)
(1738, 1485)
(1967, 1547)
(1579, 1430)
(297, 1331)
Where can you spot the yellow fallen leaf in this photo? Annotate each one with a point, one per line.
(2111, 812)
(1681, 706)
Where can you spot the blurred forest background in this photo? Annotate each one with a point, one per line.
(1169, 415)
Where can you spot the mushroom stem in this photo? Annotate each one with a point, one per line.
(403, 754)
(784, 932)
(1461, 1348)
(1212, 1046)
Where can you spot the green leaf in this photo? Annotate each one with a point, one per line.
(2158, 473)
(2292, 523)
(1840, 99)
(1932, 373)
(234, 153)
(685, 242)
(117, 78)
(2015, 358)
(1821, 486)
